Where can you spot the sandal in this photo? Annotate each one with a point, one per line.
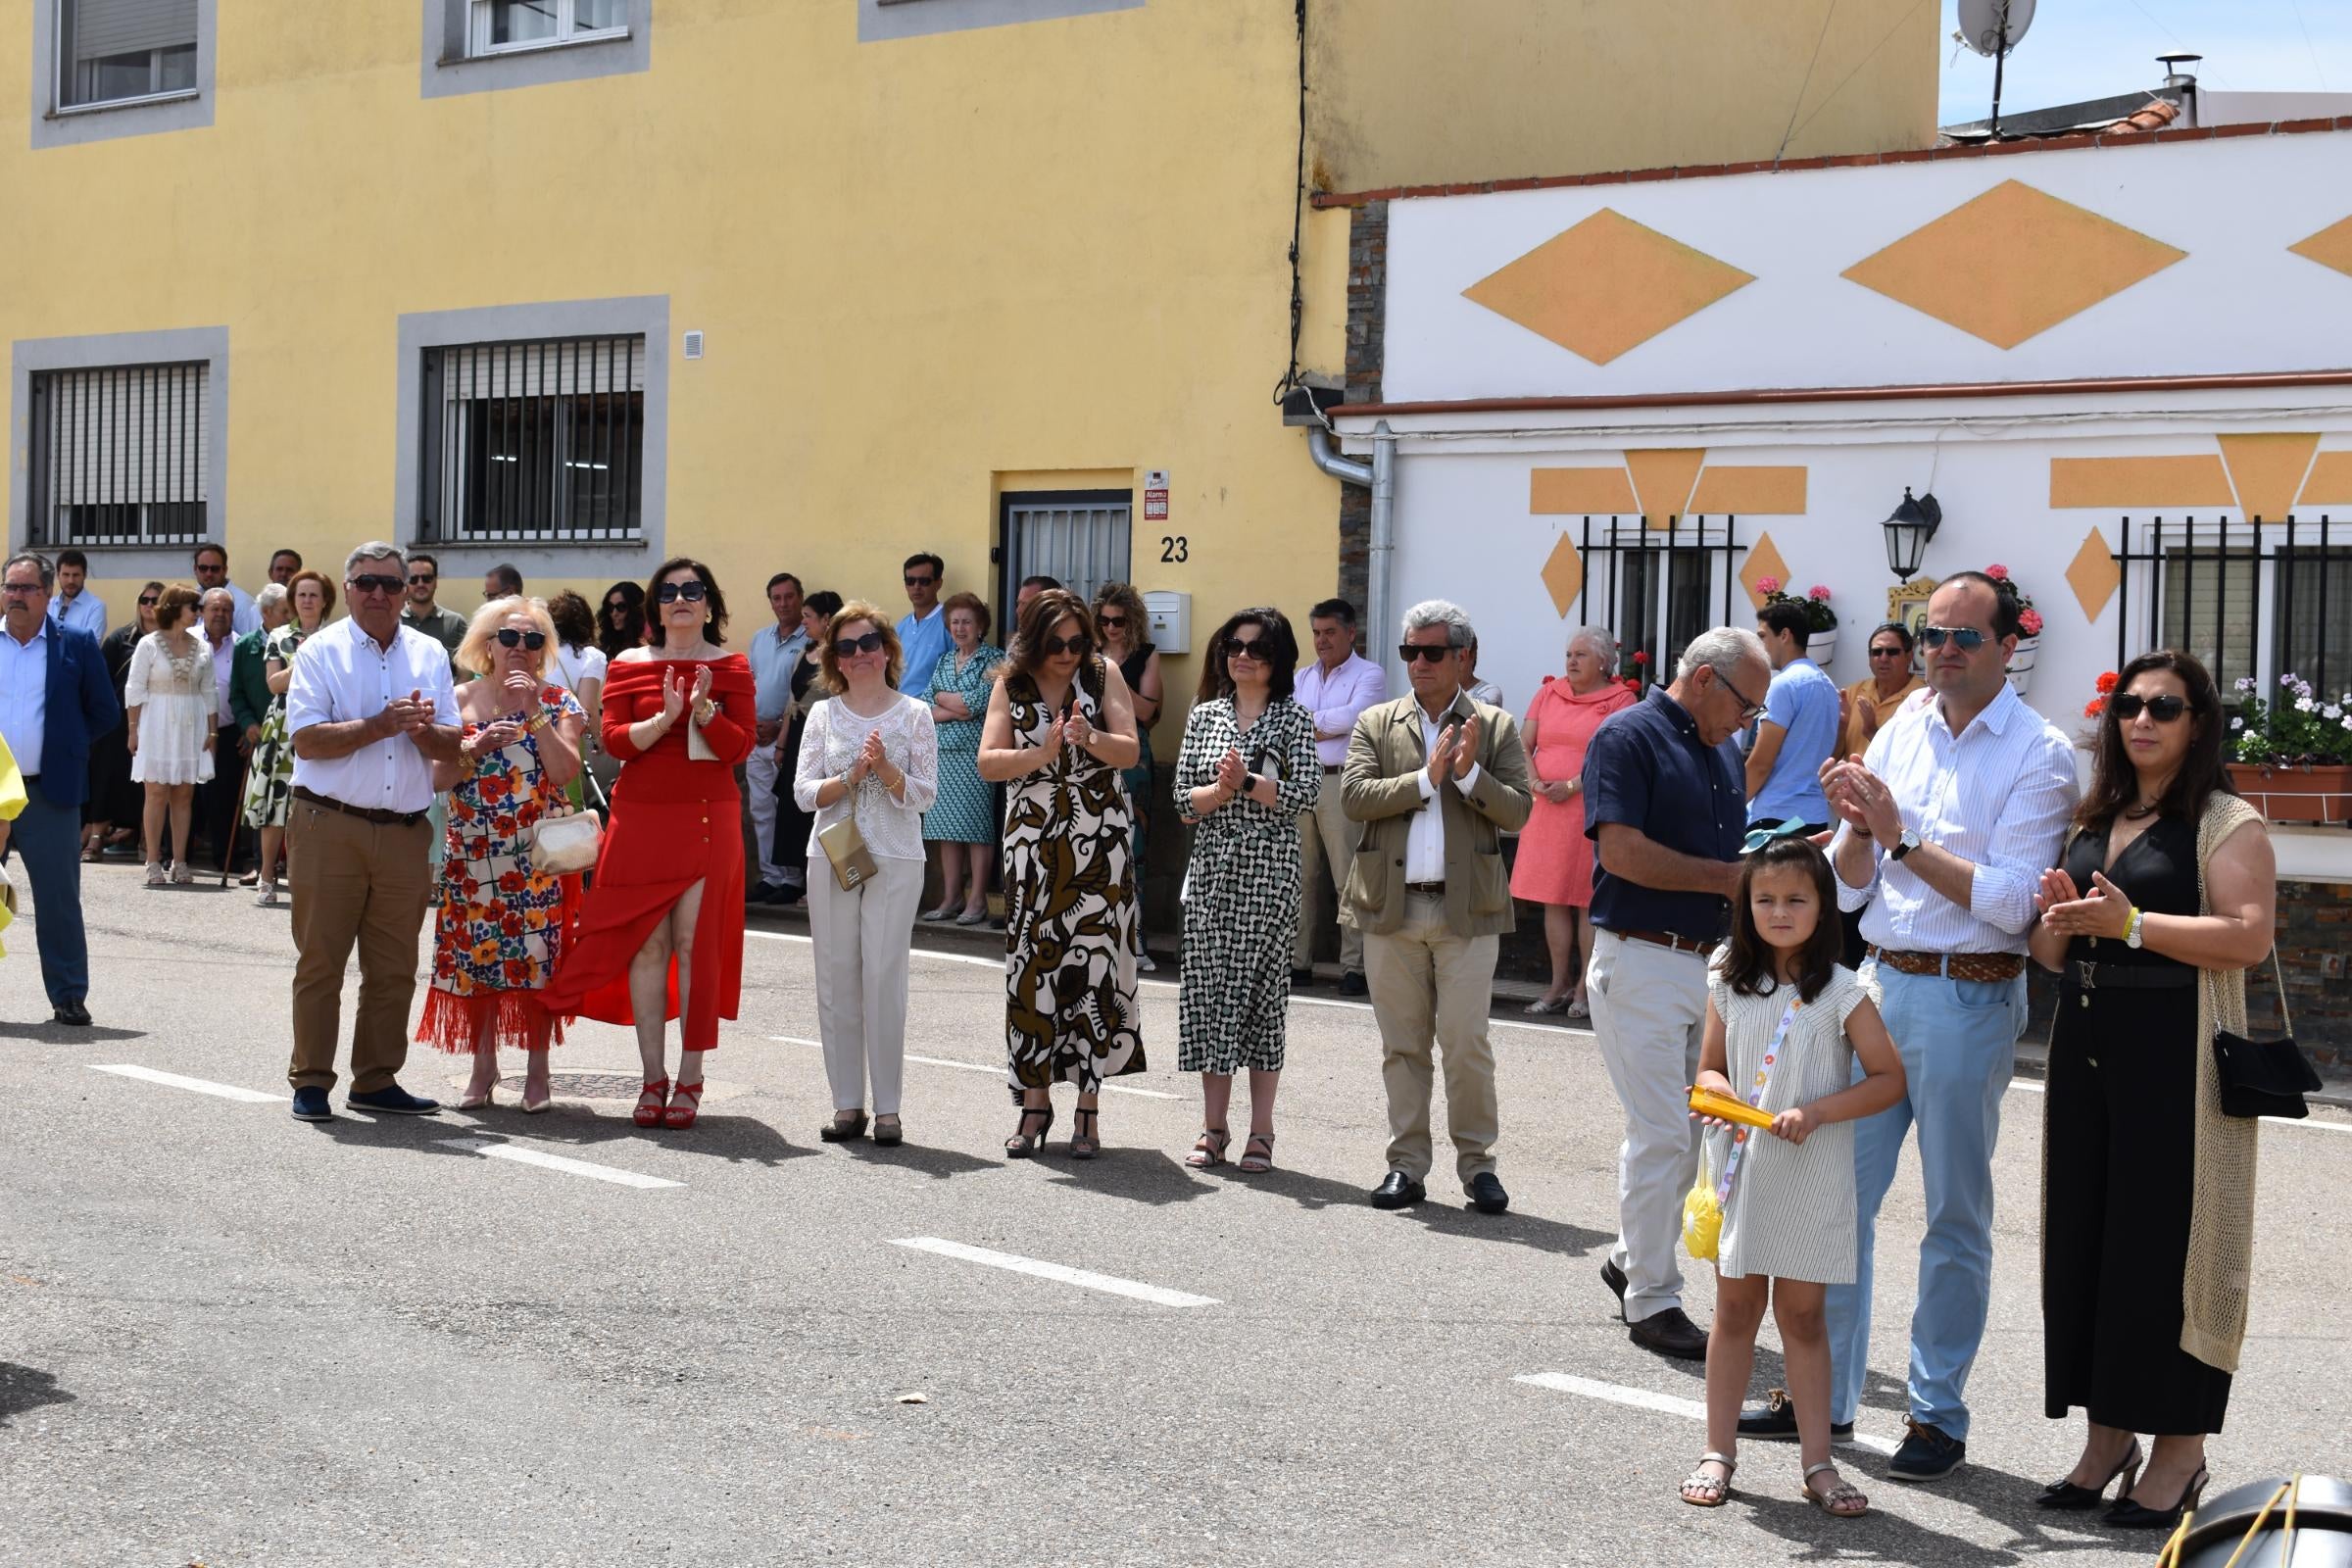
(1024, 1142)
(1579, 1007)
(1084, 1145)
(888, 1133)
(1840, 1502)
(1546, 1006)
(846, 1126)
(1209, 1150)
(685, 1102)
(1704, 1491)
(652, 1104)
(1257, 1154)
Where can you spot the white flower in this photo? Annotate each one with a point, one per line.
(2348, 723)
(2332, 711)
(2240, 723)
(2304, 705)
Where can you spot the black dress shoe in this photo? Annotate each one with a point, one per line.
(1396, 1189)
(1486, 1194)
(75, 1013)
(1353, 984)
(1301, 977)
(2127, 1514)
(1614, 1278)
(1670, 1333)
(1776, 1418)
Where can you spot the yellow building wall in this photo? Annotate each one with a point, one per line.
(1414, 92)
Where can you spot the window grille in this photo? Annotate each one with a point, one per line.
(1080, 538)
(109, 51)
(116, 455)
(541, 440)
(1657, 588)
(2248, 599)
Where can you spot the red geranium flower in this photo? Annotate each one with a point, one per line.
(1640, 657)
(2106, 683)
(2094, 708)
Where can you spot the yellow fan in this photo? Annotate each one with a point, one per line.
(1722, 1106)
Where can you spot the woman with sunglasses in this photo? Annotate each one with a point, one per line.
(620, 619)
(1247, 771)
(2164, 895)
(115, 796)
(1060, 727)
(499, 923)
(659, 935)
(270, 782)
(1873, 700)
(870, 754)
(1119, 617)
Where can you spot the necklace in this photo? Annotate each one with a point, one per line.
(2133, 814)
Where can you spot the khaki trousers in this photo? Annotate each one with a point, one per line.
(1649, 1014)
(1429, 983)
(354, 884)
(1327, 838)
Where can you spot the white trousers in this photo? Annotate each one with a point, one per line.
(862, 938)
(759, 784)
(1649, 1012)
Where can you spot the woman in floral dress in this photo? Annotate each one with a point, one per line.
(270, 781)
(962, 821)
(500, 924)
(1060, 729)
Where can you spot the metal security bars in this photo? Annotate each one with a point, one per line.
(2210, 587)
(116, 455)
(1080, 538)
(1658, 587)
(533, 441)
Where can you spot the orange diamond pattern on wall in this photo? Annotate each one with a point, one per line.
(1763, 560)
(1606, 285)
(2094, 574)
(1563, 574)
(2329, 247)
(2012, 263)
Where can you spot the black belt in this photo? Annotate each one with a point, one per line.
(362, 812)
(1329, 768)
(2084, 975)
(1435, 890)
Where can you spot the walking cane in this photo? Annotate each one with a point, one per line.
(228, 855)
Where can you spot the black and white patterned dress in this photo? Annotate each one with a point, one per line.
(1069, 907)
(1241, 888)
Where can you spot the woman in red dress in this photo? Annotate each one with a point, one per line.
(661, 933)
(1554, 867)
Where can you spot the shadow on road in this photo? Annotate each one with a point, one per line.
(1884, 1535)
(935, 1162)
(1441, 1215)
(1878, 1390)
(24, 1388)
(739, 1140)
(1141, 1175)
(57, 1034)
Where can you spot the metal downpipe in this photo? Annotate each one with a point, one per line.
(1379, 476)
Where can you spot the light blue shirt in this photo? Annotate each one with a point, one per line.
(1803, 701)
(772, 657)
(84, 611)
(25, 695)
(921, 642)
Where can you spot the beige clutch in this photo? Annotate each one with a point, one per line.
(846, 848)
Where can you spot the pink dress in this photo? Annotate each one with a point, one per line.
(1555, 858)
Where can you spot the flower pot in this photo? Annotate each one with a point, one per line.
(1821, 646)
(2301, 792)
(2020, 663)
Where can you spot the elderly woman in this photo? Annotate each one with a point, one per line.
(170, 698)
(870, 754)
(309, 600)
(1554, 867)
(1245, 773)
(962, 821)
(499, 929)
(1060, 727)
(2164, 895)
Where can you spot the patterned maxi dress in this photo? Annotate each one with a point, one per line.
(499, 926)
(1241, 909)
(1069, 913)
(270, 781)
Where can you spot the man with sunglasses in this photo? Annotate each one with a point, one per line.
(922, 632)
(421, 614)
(210, 563)
(1947, 824)
(775, 653)
(1665, 809)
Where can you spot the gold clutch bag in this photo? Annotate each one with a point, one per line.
(845, 846)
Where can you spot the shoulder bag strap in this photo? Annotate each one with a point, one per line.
(2286, 1020)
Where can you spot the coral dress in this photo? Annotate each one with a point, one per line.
(1555, 858)
(676, 822)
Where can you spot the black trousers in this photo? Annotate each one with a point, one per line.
(216, 803)
(2118, 1161)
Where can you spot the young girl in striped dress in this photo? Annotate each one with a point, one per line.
(1785, 1023)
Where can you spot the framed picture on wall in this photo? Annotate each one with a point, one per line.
(1907, 603)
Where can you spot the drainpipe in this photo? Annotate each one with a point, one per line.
(1379, 476)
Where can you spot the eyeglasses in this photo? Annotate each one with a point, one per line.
(21, 587)
(1750, 711)
(423, 576)
(1967, 638)
(1080, 644)
(919, 580)
(2163, 710)
(691, 592)
(850, 647)
(1111, 622)
(508, 637)
(1243, 648)
(1433, 653)
(369, 582)
(147, 599)
(1886, 653)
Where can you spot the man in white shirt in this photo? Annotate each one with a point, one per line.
(217, 800)
(923, 633)
(1437, 779)
(774, 653)
(75, 607)
(210, 563)
(369, 708)
(1336, 689)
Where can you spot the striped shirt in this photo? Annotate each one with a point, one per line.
(1998, 794)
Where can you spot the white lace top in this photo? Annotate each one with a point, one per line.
(830, 743)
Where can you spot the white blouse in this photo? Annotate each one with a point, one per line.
(830, 743)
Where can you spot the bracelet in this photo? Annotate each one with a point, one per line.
(705, 710)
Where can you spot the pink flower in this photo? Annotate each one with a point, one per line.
(1997, 573)
(1768, 585)
(2029, 621)
(1818, 591)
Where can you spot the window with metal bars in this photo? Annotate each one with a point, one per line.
(116, 455)
(541, 440)
(498, 26)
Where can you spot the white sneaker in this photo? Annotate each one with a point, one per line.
(1144, 964)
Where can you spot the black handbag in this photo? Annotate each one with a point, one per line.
(2264, 1077)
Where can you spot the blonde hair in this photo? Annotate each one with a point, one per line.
(474, 653)
(859, 609)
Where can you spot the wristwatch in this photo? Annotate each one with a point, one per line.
(2131, 931)
(1903, 846)
(705, 709)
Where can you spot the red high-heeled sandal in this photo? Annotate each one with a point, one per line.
(685, 1100)
(653, 1103)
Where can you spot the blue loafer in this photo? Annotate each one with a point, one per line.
(310, 1104)
(391, 1101)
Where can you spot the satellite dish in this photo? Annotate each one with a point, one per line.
(1994, 27)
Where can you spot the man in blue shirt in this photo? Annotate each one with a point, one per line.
(75, 607)
(1665, 812)
(775, 652)
(922, 635)
(1799, 729)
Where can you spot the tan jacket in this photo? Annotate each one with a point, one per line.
(1379, 791)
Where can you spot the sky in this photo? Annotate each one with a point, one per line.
(2079, 49)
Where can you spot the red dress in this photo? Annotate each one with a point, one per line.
(676, 821)
(1555, 860)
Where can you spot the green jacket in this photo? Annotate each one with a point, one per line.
(249, 694)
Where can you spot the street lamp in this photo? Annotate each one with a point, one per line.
(1909, 532)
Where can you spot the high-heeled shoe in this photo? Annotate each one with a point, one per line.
(685, 1104)
(838, 1131)
(2129, 1515)
(1024, 1142)
(889, 1134)
(540, 1107)
(1086, 1133)
(2065, 1494)
(487, 1099)
(651, 1105)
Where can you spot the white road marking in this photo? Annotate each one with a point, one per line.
(200, 1085)
(498, 1149)
(2310, 1124)
(978, 1066)
(1666, 1403)
(1083, 1278)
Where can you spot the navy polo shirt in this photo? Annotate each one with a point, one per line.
(1648, 769)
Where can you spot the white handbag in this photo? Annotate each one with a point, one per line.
(565, 844)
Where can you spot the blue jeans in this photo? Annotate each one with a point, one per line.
(1958, 1042)
(47, 838)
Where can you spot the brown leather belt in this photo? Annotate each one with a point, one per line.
(362, 812)
(1663, 938)
(1329, 768)
(1434, 890)
(1954, 965)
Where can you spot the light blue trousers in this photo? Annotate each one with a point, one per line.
(1958, 1041)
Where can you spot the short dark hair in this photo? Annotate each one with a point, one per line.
(509, 578)
(209, 548)
(575, 622)
(1895, 626)
(1040, 580)
(1277, 645)
(824, 601)
(939, 568)
(973, 603)
(715, 602)
(1787, 617)
(1339, 609)
(782, 576)
(2005, 608)
(295, 556)
(427, 557)
(72, 558)
(1748, 966)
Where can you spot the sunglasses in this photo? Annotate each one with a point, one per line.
(1408, 652)
(2163, 710)
(147, 599)
(1243, 648)
(423, 576)
(508, 637)
(670, 592)
(920, 581)
(369, 582)
(1111, 622)
(850, 647)
(1050, 645)
(1886, 653)
(1967, 638)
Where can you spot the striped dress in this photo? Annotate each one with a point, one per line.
(1790, 1214)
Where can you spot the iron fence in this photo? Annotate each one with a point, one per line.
(1653, 584)
(116, 455)
(2248, 598)
(533, 441)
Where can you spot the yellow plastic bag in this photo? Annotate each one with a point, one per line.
(1702, 1215)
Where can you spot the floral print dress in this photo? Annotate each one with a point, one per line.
(270, 781)
(499, 926)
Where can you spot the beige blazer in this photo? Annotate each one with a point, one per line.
(1378, 790)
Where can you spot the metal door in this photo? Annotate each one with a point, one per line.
(1081, 538)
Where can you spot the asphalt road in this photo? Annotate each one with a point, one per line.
(230, 1339)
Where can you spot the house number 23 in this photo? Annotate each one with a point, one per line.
(1175, 547)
